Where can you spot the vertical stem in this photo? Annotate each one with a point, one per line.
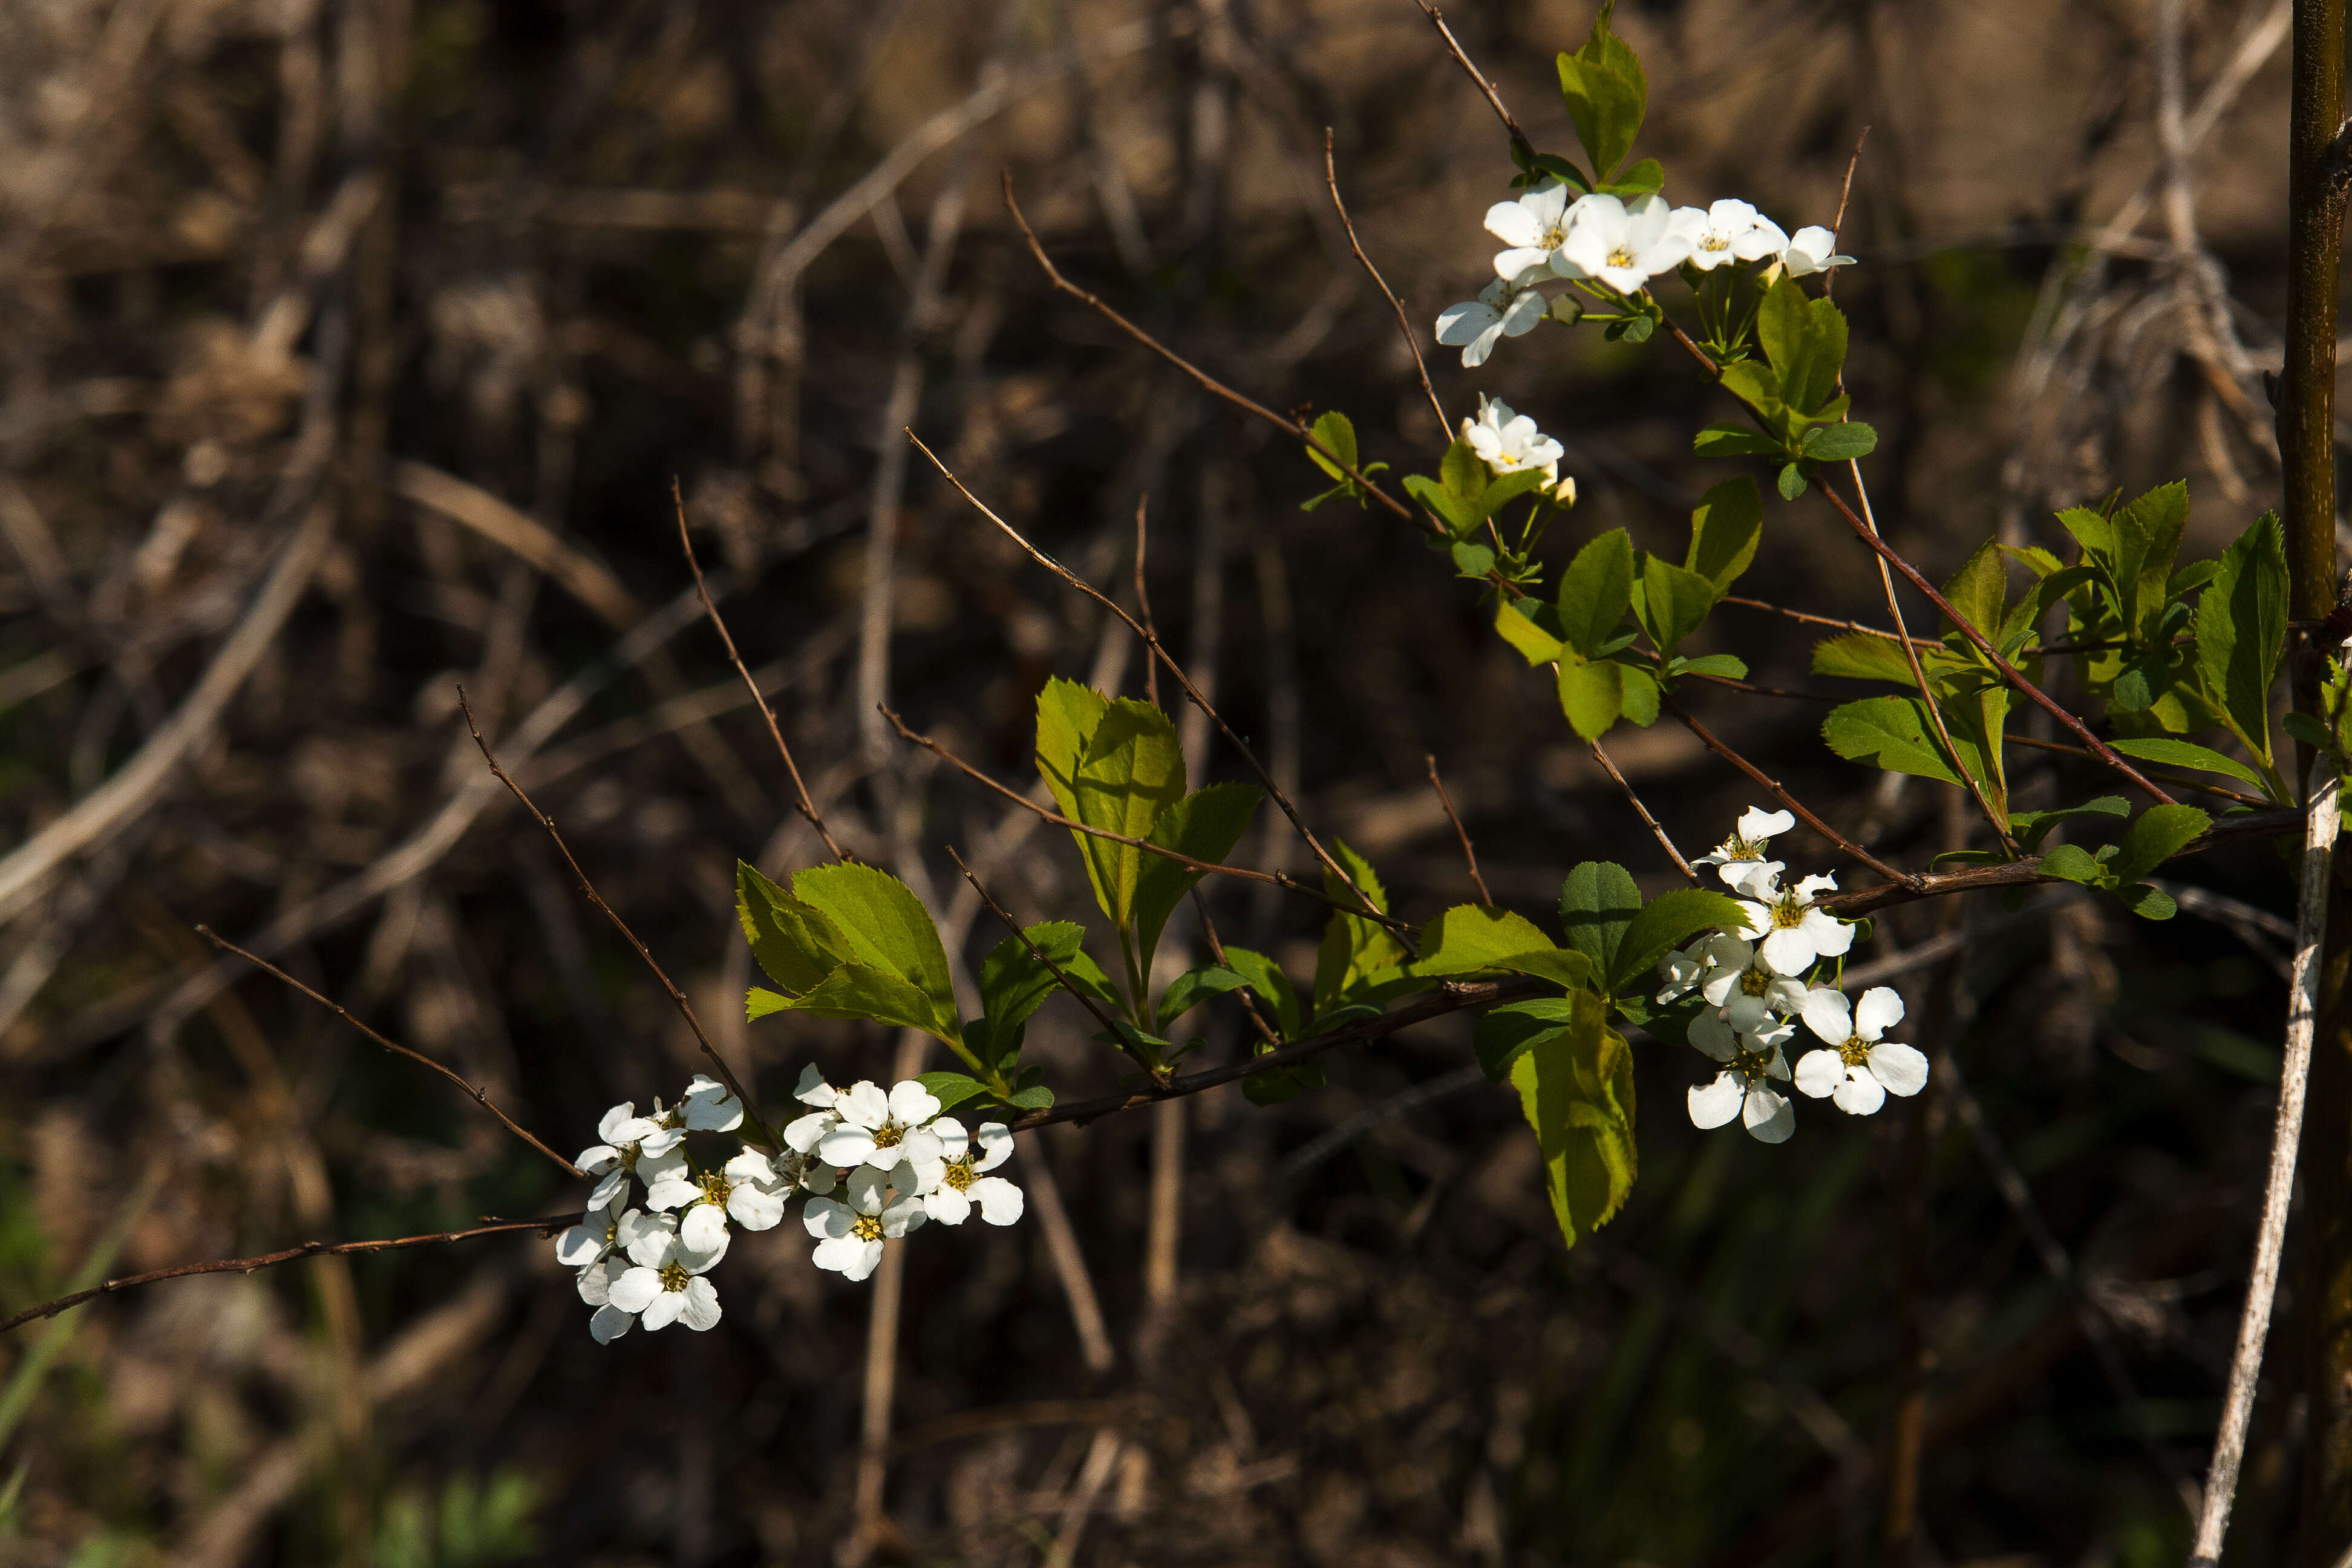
(2307, 412)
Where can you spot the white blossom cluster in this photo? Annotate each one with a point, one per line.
(1757, 985)
(871, 1165)
(1618, 243)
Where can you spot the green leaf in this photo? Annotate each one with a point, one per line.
(2160, 833)
(1670, 602)
(1805, 342)
(1592, 695)
(1726, 526)
(2030, 827)
(1595, 591)
(1465, 475)
(1506, 489)
(1192, 988)
(2149, 903)
(1756, 384)
(2187, 755)
(1472, 560)
(795, 946)
(1576, 1089)
(1517, 627)
(2241, 629)
(1638, 695)
(1505, 1033)
(1441, 503)
(1013, 983)
(1980, 589)
(1889, 732)
(1204, 825)
(2072, 863)
(1729, 666)
(2309, 730)
(1067, 714)
(1597, 902)
(1355, 952)
(1036, 1097)
(1645, 178)
(1337, 432)
(1607, 93)
(1735, 441)
(759, 1002)
(1133, 769)
(1468, 938)
(951, 1088)
(885, 929)
(1789, 481)
(1666, 922)
(2146, 538)
(1860, 656)
(862, 991)
(1265, 977)
(1840, 443)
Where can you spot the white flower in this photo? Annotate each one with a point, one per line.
(1861, 1069)
(1813, 250)
(952, 1183)
(633, 1145)
(814, 1090)
(1533, 225)
(608, 1322)
(1622, 244)
(1737, 857)
(668, 1286)
(1500, 311)
(635, 1230)
(850, 1235)
(1795, 932)
(789, 1170)
(881, 1130)
(1743, 1089)
(1726, 231)
(593, 1240)
(1507, 442)
(1748, 991)
(745, 1191)
(709, 1108)
(1682, 971)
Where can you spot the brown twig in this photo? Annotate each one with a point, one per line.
(1248, 1000)
(1152, 640)
(1829, 283)
(1143, 603)
(1811, 619)
(1642, 811)
(800, 788)
(1045, 814)
(478, 1094)
(1331, 178)
(1118, 1032)
(1707, 737)
(1206, 382)
(1468, 853)
(684, 1008)
(1493, 99)
(546, 1227)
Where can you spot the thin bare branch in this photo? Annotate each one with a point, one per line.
(1648, 821)
(1810, 619)
(1143, 603)
(1493, 99)
(1266, 1031)
(547, 1227)
(800, 788)
(1117, 1031)
(1804, 812)
(1152, 640)
(1453, 816)
(686, 1009)
(475, 1092)
(1829, 282)
(1331, 178)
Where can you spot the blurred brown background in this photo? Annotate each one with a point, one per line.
(350, 349)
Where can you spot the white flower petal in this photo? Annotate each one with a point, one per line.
(609, 1188)
(921, 1147)
(1898, 1067)
(1788, 952)
(953, 1139)
(581, 1245)
(995, 1145)
(1829, 935)
(814, 1090)
(913, 1104)
(1526, 309)
(612, 1127)
(804, 1133)
(700, 1308)
(672, 1189)
(1766, 238)
(1755, 824)
(1713, 1037)
(1512, 224)
(948, 1206)
(635, 1289)
(864, 1105)
(755, 1205)
(704, 1229)
(709, 1108)
(662, 1310)
(903, 1216)
(594, 1282)
(847, 1145)
(1827, 1014)
(1462, 323)
(1001, 1201)
(1879, 1010)
(1819, 1073)
(751, 1165)
(822, 1217)
(1769, 1117)
(1713, 1104)
(609, 1323)
(1512, 265)
(1859, 1094)
(869, 1189)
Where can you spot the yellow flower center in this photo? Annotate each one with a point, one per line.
(1788, 914)
(1854, 1052)
(716, 1188)
(958, 1174)
(1713, 242)
(1751, 1065)
(887, 1135)
(1738, 849)
(1755, 983)
(867, 1228)
(673, 1275)
(1620, 256)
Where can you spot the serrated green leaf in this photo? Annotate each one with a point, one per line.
(1733, 441)
(2241, 629)
(1670, 602)
(1860, 656)
(794, 945)
(1889, 732)
(1505, 1033)
(1013, 983)
(888, 930)
(2186, 754)
(1354, 950)
(1592, 695)
(1726, 526)
(1337, 432)
(1518, 628)
(862, 991)
(2159, 832)
(1595, 591)
(1465, 475)
(1597, 902)
(1469, 938)
(1756, 384)
(1980, 589)
(1576, 1089)
(759, 1002)
(1132, 770)
(1204, 825)
(1666, 922)
(1645, 178)
(1607, 92)
(951, 1088)
(2146, 538)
